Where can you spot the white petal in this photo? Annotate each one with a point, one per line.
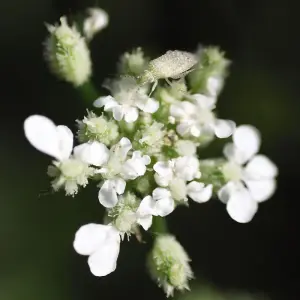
(108, 101)
(107, 194)
(205, 102)
(93, 153)
(197, 192)
(146, 159)
(196, 130)
(118, 112)
(241, 206)
(163, 168)
(164, 207)
(145, 221)
(119, 185)
(186, 167)
(131, 114)
(89, 238)
(186, 147)
(125, 146)
(42, 134)
(162, 180)
(148, 105)
(104, 260)
(224, 128)
(232, 153)
(260, 167)
(164, 173)
(261, 190)
(164, 203)
(228, 189)
(65, 145)
(214, 85)
(146, 207)
(182, 110)
(133, 168)
(247, 139)
(184, 128)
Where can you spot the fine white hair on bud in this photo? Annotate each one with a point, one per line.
(123, 215)
(97, 128)
(168, 264)
(95, 22)
(133, 63)
(67, 53)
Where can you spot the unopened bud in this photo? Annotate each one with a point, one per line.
(67, 53)
(169, 264)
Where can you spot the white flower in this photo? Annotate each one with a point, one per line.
(159, 204)
(151, 138)
(97, 20)
(196, 118)
(128, 99)
(118, 169)
(102, 244)
(135, 166)
(67, 53)
(250, 184)
(185, 167)
(186, 147)
(175, 174)
(57, 141)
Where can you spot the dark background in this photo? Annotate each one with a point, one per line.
(37, 260)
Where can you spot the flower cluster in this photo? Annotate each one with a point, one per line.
(143, 149)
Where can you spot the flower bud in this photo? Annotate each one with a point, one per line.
(169, 264)
(94, 128)
(96, 21)
(208, 78)
(133, 63)
(67, 53)
(123, 215)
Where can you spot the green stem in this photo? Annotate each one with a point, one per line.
(159, 225)
(88, 93)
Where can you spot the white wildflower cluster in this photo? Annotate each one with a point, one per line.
(141, 145)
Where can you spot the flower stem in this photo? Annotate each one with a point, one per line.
(88, 92)
(159, 225)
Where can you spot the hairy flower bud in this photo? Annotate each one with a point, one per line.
(67, 53)
(97, 128)
(133, 63)
(95, 22)
(123, 215)
(169, 264)
(209, 75)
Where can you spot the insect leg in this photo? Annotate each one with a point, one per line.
(153, 87)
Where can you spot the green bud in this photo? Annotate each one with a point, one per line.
(67, 53)
(133, 63)
(169, 264)
(209, 75)
(123, 215)
(94, 128)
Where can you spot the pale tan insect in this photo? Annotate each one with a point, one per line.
(173, 64)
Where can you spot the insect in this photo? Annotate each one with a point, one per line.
(173, 64)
